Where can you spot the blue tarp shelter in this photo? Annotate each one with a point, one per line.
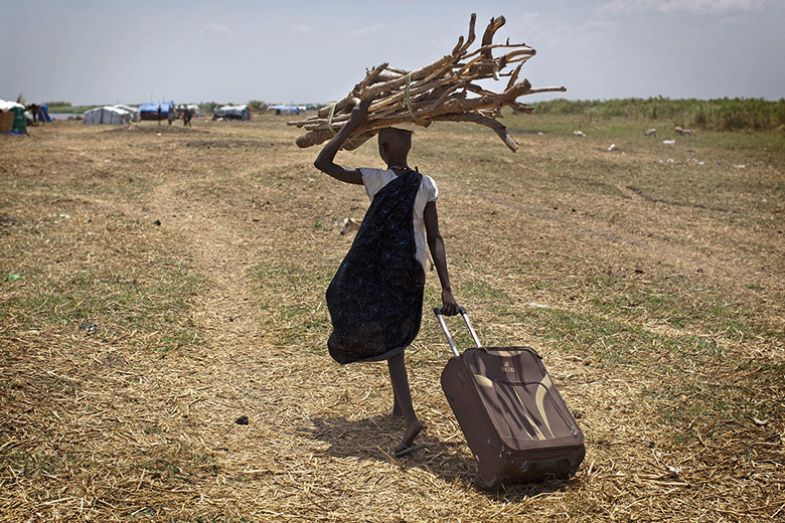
(149, 111)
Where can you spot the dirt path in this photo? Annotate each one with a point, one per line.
(229, 363)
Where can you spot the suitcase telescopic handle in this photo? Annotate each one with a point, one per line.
(465, 315)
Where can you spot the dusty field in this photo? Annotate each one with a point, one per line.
(170, 284)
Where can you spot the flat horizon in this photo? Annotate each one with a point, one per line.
(307, 50)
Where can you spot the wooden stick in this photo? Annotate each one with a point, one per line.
(461, 48)
(497, 127)
(487, 37)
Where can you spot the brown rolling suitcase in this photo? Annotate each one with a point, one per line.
(514, 420)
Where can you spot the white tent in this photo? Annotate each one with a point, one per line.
(233, 112)
(133, 110)
(107, 115)
(7, 106)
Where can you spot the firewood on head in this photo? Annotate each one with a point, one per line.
(444, 90)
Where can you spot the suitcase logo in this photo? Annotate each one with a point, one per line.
(512, 408)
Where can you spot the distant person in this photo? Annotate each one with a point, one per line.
(375, 298)
(170, 115)
(159, 114)
(43, 114)
(188, 113)
(34, 110)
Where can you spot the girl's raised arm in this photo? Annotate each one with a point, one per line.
(325, 162)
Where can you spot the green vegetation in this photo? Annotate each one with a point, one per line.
(71, 109)
(209, 107)
(257, 106)
(722, 114)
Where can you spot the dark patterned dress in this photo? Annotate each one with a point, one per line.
(375, 298)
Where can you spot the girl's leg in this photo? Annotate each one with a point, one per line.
(396, 411)
(403, 400)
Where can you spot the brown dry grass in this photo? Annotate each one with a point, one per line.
(663, 282)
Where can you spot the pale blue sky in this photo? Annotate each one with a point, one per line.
(300, 50)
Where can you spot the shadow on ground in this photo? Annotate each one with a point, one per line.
(375, 437)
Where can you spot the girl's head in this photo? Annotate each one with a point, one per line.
(394, 145)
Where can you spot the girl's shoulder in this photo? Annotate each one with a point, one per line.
(430, 188)
(374, 179)
(371, 171)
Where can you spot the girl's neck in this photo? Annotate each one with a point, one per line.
(400, 165)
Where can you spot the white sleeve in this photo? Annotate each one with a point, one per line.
(433, 190)
(372, 180)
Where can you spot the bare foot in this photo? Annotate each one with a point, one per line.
(412, 431)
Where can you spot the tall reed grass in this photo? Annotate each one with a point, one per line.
(721, 114)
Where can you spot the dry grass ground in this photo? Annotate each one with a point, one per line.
(653, 285)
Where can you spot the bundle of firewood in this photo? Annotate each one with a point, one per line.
(445, 90)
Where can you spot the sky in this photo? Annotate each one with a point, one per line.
(90, 52)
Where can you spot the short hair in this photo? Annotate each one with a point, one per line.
(391, 134)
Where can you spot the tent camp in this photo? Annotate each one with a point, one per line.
(286, 109)
(12, 118)
(149, 111)
(232, 112)
(107, 115)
